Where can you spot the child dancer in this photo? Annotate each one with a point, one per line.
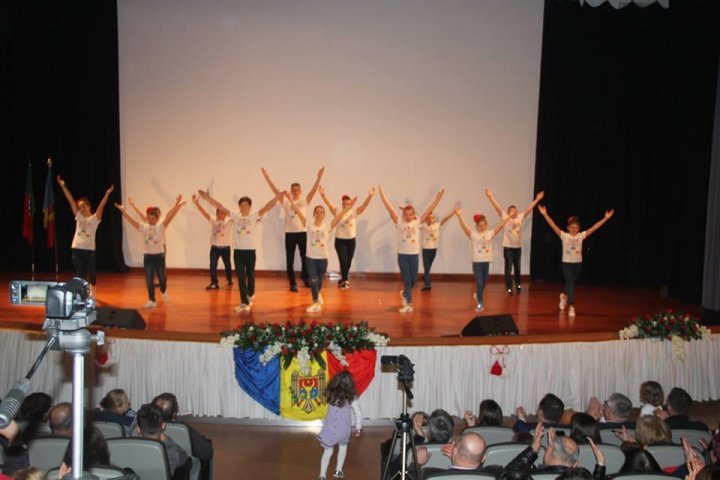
(430, 239)
(245, 226)
(342, 400)
(345, 233)
(572, 253)
(86, 224)
(295, 235)
(219, 242)
(153, 234)
(318, 232)
(408, 231)
(482, 253)
(512, 244)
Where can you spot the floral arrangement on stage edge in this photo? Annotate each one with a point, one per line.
(668, 325)
(304, 341)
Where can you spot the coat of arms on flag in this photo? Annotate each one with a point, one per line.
(302, 395)
(307, 393)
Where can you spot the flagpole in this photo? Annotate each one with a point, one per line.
(57, 265)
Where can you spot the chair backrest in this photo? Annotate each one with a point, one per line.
(503, 453)
(614, 457)
(459, 475)
(109, 429)
(47, 452)
(147, 457)
(643, 476)
(667, 455)
(693, 436)
(609, 437)
(493, 435)
(180, 433)
(545, 476)
(437, 459)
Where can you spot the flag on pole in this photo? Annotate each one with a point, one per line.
(28, 208)
(49, 208)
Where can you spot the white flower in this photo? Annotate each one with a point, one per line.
(336, 350)
(304, 362)
(229, 340)
(704, 333)
(270, 352)
(678, 347)
(377, 339)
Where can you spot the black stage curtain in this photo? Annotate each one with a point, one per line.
(59, 98)
(625, 121)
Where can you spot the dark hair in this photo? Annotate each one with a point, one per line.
(294, 184)
(168, 405)
(60, 417)
(490, 414)
(522, 437)
(582, 426)
(113, 399)
(245, 199)
(714, 446)
(679, 400)
(513, 475)
(575, 473)
(440, 426)
(35, 407)
(95, 449)
(709, 472)
(341, 389)
(552, 407)
(638, 460)
(149, 419)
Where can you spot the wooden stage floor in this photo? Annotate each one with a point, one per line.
(195, 314)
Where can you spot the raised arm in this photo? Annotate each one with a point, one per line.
(270, 204)
(103, 202)
(388, 206)
(458, 213)
(553, 226)
(179, 203)
(342, 212)
(447, 217)
(438, 197)
(606, 217)
(203, 212)
(139, 212)
(127, 216)
(68, 195)
(494, 202)
(500, 226)
(297, 210)
(205, 195)
(270, 183)
(327, 200)
(315, 186)
(530, 207)
(364, 205)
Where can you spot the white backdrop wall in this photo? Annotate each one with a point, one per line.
(413, 94)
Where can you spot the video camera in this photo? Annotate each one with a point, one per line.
(405, 369)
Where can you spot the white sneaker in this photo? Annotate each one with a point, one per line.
(402, 297)
(314, 308)
(571, 311)
(149, 304)
(406, 309)
(479, 307)
(165, 297)
(563, 301)
(320, 299)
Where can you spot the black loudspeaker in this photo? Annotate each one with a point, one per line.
(490, 325)
(119, 317)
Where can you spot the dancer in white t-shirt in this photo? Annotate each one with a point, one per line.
(345, 233)
(295, 235)
(430, 234)
(153, 233)
(572, 241)
(86, 224)
(482, 254)
(408, 241)
(318, 232)
(245, 226)
(512, 243)
(220, 239)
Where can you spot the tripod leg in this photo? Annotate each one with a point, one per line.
(414, 456)
(390, 456)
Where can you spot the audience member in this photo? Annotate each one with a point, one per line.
(613, 413)
(95, 454)
(651, 430)
(678, 407)
(150, 424)
(583, 426)
(651, 397)
(116, 408)
(465, 453)
(28, 473)
(60, 419)
(708, 472)
(33, 413)
(638, 460)
(489, 415)
(549, 412)
(577, 473)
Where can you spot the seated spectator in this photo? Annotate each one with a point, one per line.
(583, 426)
(577, 473)
(150, 424)
(440, 425)
(708, 472)
(651, 397)
(33, 414)
(549, 412)
(465, 453)
(116, 408)
(522, 437)
(638, 460)
(713, 448)
(202, 448)
(60, 419)
(489, 415)
(613, 413)
(513, 475)
(28, 473)
(678, 407)
(95, 454)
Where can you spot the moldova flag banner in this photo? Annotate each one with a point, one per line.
(302, 394)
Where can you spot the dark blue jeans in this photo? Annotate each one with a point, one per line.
(84, 262)
(571, 271)
(480, 270)
(512, 260)
(154, 264)
(409, 272)
(316, 268)
(428, 259)
(345, 248)
(245, 268)
(217, 253)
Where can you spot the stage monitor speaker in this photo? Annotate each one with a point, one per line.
(490, 325)
(128, 318)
